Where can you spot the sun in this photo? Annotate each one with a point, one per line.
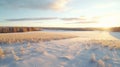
(109, 21)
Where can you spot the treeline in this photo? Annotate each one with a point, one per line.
(27, 29)
(115, 29)
(18, 29)
(112, 29)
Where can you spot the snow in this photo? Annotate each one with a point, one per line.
(88, 49)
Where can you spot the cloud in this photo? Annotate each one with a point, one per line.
(59, 4)
(82, 18)
(70, 19)
(79, 20)
(29, 19)
(35, 4)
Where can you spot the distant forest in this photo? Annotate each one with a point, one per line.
(27, 29)
(18, 29)
(112, 29)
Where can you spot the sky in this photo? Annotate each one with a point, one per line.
(60, 13)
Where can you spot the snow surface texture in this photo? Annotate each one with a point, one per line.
(89, 49)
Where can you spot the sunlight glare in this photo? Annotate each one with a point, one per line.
(108, 21)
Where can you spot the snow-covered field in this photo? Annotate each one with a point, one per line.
(35, 36)
(88, 49)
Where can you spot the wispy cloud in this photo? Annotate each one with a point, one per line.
(59, 4)
(82, 18)
(70, 19)
(35, 4)
(66, 20)
(29, 19)
(79, 20)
